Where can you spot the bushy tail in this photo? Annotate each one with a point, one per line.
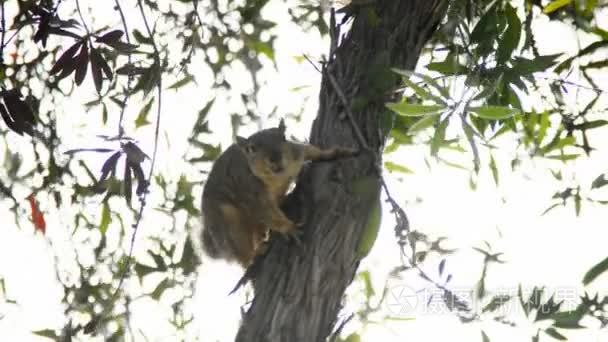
(210, 245)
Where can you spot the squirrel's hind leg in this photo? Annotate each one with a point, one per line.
(241, 239)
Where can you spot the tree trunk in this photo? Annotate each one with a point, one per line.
(299, 287)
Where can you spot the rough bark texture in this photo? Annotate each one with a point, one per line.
(299, 288)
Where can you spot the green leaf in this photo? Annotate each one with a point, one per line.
(485, 27)
(184, 81)
(555, 5)
(595, 271)
(354, 337)
(392, 167)
(472, 183)
(569, 319)
(260, 47)
(367, 282)
(423, 93)
(439, 137)
(599, 182)
(494, 170)
(142, 117)
(470, 134)
(563, 157)
(142, 270)
(484, 337)
(555, 205)
(160, 289)
(496, 303)
(556, 335)
(449, 66)
(46, 333)
(399, 319)
(140, 38)
(408, 109)
(188, 260)
(444, 91)
(494, 112)
(592, 124)
(525, 66)
(590, 7)
(423, 123)
(105, 218)
(542, 129)
(510, 39)
(104, 113)
(557, 143)
(489, 89)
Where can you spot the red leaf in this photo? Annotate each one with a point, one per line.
(37, 217)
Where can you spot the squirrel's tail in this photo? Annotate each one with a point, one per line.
(210, 246)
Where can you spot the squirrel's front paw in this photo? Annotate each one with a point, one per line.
(295, 235)
(347, 151)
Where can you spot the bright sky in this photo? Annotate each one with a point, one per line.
(553, 250)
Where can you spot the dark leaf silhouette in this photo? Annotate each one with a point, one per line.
(67, 59)
(17, 114)
(42, 34)
(142, 184)
(103, 64)
(99, 150)
(109, 165)
(62, 32)
(111, 37)
(12, 125)
(96, 69)
(134, 154)
(121, 47)
(130, 70)
(128, 183)
(82, 62)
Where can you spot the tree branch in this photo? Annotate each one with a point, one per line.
(299, 289)
(121, 130)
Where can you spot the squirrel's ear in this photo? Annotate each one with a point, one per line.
(282, 126)
(241, 142)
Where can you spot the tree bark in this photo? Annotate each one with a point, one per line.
(299, 287)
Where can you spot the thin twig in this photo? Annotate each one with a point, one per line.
(154, 153)
(336, 334)
(3, 24)
(347, 109)
(12, 36)
(188, 58)
(158, 86)
(198, 17)
(312, 63)
(402, 227)
(402, 220)
(577, 85)
(84, 24)
(121, 130)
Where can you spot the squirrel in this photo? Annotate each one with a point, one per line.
(245, 189)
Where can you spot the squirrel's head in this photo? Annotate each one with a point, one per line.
(264, 150)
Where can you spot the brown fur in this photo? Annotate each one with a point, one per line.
(244, 191)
